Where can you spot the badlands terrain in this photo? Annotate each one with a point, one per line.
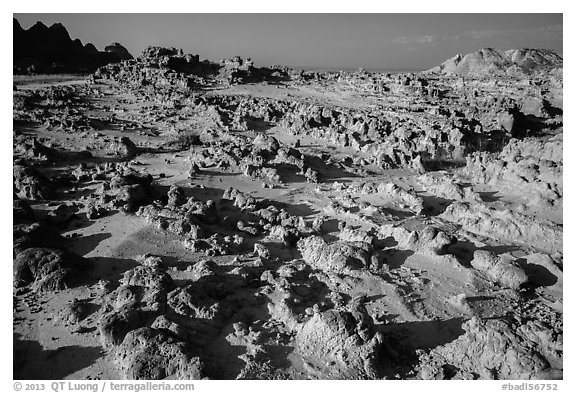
(185, 219)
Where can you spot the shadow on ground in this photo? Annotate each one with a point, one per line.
(32, 361)
(399, 353)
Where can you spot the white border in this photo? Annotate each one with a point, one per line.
(298, 6)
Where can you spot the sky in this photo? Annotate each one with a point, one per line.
(324, 41)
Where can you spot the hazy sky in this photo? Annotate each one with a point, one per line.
(372, 41)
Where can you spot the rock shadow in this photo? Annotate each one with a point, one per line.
(402, 342)
(32, 362)
(76, 221)
(298, 210)
(434, 205)
(395, 258)
(538, 274)
(463, 250)
(441, 165)
(84, 244)
(327, 171)
(109, 268)
(489, 196)
(209, 172)
(387, 242)
(289, 173)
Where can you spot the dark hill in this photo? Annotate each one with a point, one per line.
(43, 49)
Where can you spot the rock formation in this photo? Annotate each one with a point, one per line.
(42, 49)
(490, 61)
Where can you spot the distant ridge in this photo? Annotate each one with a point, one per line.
(490, 61)
(117, 48)
(50, 49)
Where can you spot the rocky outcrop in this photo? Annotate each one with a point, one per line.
(141, 296)
(148, 353)
(405, 199)
(123, 147)
(31, 184)
(533, 167)
(444, 187)
(506, 225)
(490, 61)
(534, 59)
(501, 269)
(35, 234)
(116, 324)
(344, 342)
(340, 256)
(429, 240)
(119, 50)
(496, 349)
(48, 269)
(170, 67)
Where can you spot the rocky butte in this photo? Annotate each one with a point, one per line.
(42, 49)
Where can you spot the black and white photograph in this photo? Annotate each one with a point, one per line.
(287, 196)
